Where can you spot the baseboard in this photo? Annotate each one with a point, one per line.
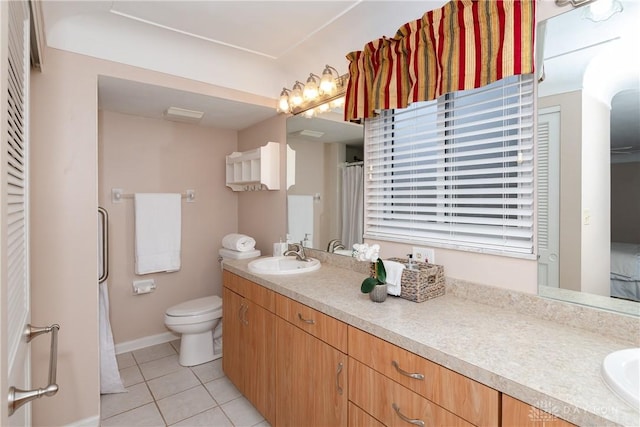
(127, 346)
(87, 422)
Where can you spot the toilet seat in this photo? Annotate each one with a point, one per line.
(195, 307)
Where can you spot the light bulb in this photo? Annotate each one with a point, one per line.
(309, 113)
(283, 102)
(323, 108)
(327, 82)
(337, 103)
(311, 88)
(296, 94)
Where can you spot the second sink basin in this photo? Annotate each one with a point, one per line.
(283, 265)
(621, 372)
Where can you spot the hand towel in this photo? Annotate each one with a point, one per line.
(158, 225)
(394, 276)
(238, 242)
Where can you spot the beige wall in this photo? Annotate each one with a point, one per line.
(147, 155)
(263, 214)
(64, 199)
(625, 202)
(596, 200)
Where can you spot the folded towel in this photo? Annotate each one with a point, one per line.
(158, 225)
(238, 242)
(394, 276)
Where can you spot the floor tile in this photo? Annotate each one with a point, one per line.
(159, 367)
(185, 404)
(112, 404)
(125, 360)
(172, 383)
(223, 390)
(147, 415)
(131, 376)
(154, 352)
(212, 417)
(242, 413)
(209, 371)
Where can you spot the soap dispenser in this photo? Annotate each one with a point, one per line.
(410, 266)
(306, 242)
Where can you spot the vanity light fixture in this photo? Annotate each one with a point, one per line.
(597, 10)
(318, 95)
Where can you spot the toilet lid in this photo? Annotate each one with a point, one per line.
(195, 307)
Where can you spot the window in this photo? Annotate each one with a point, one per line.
(455, 172)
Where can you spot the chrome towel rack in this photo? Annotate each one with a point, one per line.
(104, 245)
(18, 397)
(117, 195)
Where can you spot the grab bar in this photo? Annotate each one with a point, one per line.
(104, 237)
(18, 397)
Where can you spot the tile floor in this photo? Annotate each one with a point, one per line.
(163, 393)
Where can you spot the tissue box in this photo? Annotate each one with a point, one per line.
(423, 282)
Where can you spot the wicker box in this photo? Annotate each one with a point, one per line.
(423, 282)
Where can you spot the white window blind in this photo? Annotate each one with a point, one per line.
(455, 172)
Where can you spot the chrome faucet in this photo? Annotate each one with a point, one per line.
(298, 252)
(333, 245)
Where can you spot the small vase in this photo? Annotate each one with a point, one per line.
(378, 293)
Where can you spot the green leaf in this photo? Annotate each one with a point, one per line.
(368, 284)
(381, 273)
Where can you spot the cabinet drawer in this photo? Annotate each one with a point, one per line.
(467, 398)
(359, 418)
(392, 403)
(252, 291)
(328, 329)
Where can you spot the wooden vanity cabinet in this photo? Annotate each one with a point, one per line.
(517, 413)
(249, 337)
(311, 368)
(398, 370)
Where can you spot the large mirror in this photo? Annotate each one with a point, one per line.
(589, 157)
(325, 203)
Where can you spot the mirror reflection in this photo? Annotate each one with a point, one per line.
(589, 158)
(325, 203)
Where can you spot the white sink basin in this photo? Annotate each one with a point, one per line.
(621, 372)
(283, 265)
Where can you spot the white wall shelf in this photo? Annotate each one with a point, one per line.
(253, 170)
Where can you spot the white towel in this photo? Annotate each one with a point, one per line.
(158, 232)
(394, 276)
(238, 242)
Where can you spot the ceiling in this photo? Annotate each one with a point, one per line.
(253, 47)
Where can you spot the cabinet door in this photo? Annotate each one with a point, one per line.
(232, 311)
(312, 380)
(518, 413)
(259, 359)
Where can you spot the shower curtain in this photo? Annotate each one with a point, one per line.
(110, 381)
(352, 205)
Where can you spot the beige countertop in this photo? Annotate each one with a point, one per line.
(550, 365)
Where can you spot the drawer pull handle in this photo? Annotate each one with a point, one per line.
(340, 366)
(309, 321)
(415, 376)
(243, 314)
(405, 418)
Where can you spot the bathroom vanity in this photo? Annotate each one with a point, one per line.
(310, 349)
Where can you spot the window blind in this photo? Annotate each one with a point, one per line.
(456, 171)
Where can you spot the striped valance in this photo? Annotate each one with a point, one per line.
(463, 45)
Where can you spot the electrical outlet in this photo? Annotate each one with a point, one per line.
(424, 255)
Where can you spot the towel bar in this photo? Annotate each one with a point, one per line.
(117, 195)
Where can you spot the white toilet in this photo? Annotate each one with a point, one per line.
(196, 319)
